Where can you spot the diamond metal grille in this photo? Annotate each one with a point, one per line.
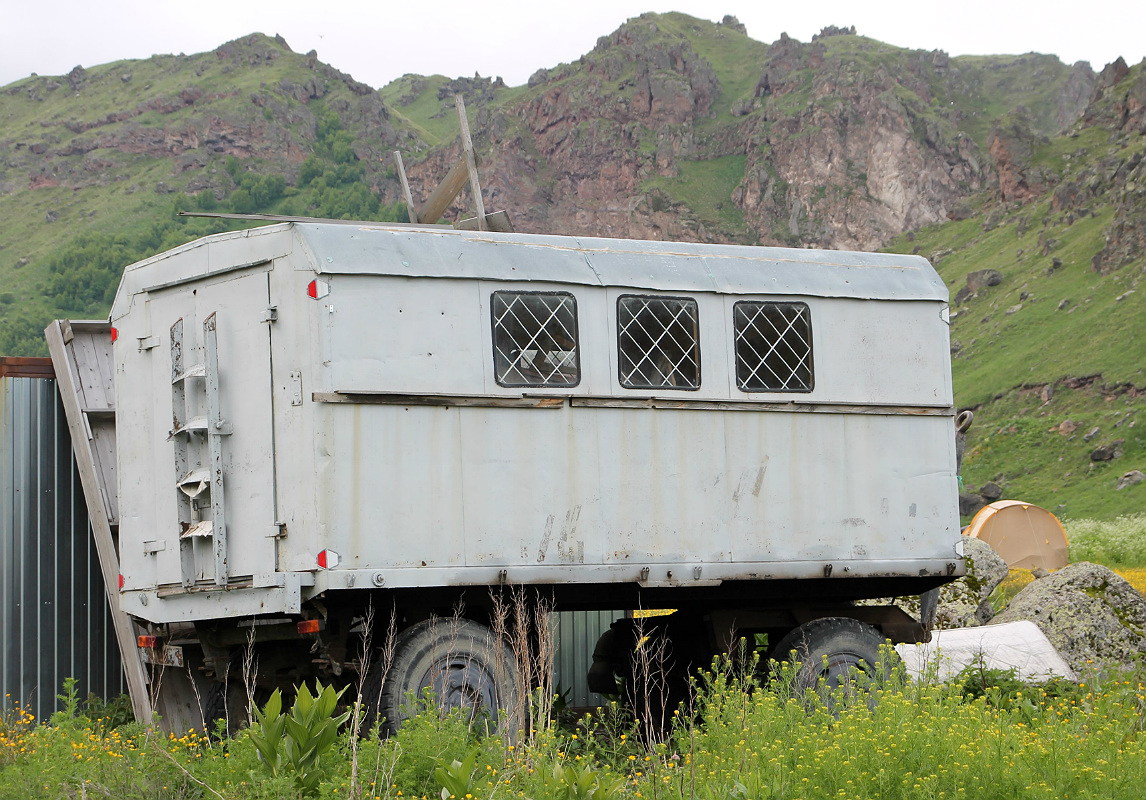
(773, 347)
(659, 342)
(535, 339)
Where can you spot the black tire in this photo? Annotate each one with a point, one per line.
(214, 706)
(463, 664)
(228, 704)
(829, 649)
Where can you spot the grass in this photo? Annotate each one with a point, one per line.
(982, 736)
(415, 98)
(1001, 350)
(1041, 326)
(1119, 543)
(1017, 441)
(706, 187)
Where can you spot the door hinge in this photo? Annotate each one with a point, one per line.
(271, 314)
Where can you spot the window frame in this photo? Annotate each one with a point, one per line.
(807, 311)
(493, 338)
(696, 342)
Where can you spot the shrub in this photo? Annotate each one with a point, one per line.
(1119, 542)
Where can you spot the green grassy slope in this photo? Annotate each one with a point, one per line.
(115, 151)
(1052, 357)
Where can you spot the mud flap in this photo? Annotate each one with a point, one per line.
(928, 606)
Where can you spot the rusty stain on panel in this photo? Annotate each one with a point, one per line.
(545, 537)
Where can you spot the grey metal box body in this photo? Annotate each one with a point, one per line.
(356, 413)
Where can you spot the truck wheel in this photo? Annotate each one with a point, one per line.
(463, 665)
(829, 648)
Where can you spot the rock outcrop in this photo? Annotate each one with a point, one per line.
(1011, 146)
(963, 603)
(1093, 616)
(845, 157)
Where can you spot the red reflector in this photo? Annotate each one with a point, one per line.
(322, 559)
(308, 626)
(148, 642)
(317, 289)
(114, 334)
(120, 581)
(328, 559)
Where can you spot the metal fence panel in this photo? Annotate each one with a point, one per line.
(54, 620)
(576, 636)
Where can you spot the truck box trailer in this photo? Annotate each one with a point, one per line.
(311, 418)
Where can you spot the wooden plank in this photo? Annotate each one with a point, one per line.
(360, 223)
(668, 404)
(494, 221)
(410, 209)
(432, 210)
(528, 401)
(471, 160)
(72, 394)
(26, 367)
(737, 405)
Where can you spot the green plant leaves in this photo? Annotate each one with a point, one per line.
(457, 779)
(293, 743)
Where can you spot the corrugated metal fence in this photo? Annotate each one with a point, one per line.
(54, 621)
(576, 636)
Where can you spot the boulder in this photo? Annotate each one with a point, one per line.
(970, 503)
(1130, 478)
(980, 279)
(732, 22)
(1103, 452)
(1092, 616)
(962, 603)
(991, 491)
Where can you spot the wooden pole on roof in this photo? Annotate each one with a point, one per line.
(447, 190)
(465, 170)
(411, 211)
(471, 161)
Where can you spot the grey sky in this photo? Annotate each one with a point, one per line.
(380, 40)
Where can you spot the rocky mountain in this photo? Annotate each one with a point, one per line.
(842, 142)
(1021, 177)
(252, 99)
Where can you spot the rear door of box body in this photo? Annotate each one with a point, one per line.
(239, 304)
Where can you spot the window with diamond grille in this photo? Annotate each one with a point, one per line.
(535, 339)
(773, 347)
(658, 340)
